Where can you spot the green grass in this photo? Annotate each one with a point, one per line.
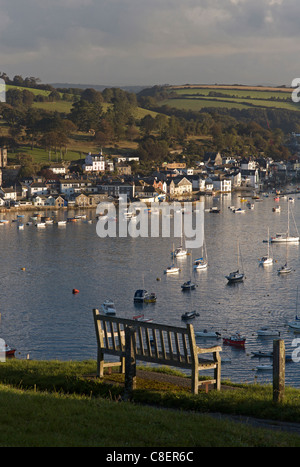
(34, 91)
(30, 419)
(55, 404)
(198, 98)
(40, 155)
(198, 104)
(236, 93)
(59, 106)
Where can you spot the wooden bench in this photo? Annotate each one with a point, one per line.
(132, 340)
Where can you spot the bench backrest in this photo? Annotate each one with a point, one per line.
(156, 343)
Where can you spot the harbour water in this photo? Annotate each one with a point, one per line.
(40, 267)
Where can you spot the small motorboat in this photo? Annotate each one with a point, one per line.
(206, 333)
(189, 315)
(295, 324)
(140, 295)
(266, 261)
(268, 332)
(276, 209)
(171, 269)
(108, 307)
(285, 269)
(264, 367)
(235, 276)
(142, 318)
(239, 211)
(214, 210)
(261, 354)
(235, 340)
(188, 285)
(21, 226)
(180, 252)
(150, 298)
(200, 263)
(7, 351)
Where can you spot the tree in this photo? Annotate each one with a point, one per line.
(152, 149)
(86, 115)
(92, 96)
(54, 140)
(105, 132)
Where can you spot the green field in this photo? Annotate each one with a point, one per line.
(196, 98)
(34, 91)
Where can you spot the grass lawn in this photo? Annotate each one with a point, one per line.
(40, 155)
(53, 404)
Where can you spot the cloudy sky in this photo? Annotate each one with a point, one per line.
(147, 42)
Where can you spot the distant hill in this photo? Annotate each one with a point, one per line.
(99, 87)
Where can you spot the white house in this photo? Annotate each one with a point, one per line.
(94, 163)
(209, 187)
(70, 186)
(37, 188)
(126, 159)
(223, 185)
(58, 169)
(8, 194)
(250, 177)
(180, 187)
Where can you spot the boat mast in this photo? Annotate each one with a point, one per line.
(288, 229)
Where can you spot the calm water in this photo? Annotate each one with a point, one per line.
(41, 316)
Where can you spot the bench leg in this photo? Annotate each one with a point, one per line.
(195, 380)
(122, 366)
(217, 373)
(100, 364)
(130, 363)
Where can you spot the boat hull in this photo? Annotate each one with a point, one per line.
(284, 239)
(234, 342)
(235, 278)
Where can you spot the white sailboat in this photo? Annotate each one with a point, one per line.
(181, 251)
(201, 263)
(267, 259)
(286, 237)
(172, 269)
(285, 269)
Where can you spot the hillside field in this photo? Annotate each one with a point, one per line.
(197, 97)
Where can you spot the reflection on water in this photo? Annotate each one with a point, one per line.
(41, 316)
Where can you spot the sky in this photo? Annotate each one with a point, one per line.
(151, 42)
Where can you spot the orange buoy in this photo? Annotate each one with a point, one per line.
(75, 291)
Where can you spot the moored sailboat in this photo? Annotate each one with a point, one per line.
(236, 276)
(286, 237)
(267, 259)
(201, 263)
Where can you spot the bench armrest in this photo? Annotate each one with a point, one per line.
(216, 348)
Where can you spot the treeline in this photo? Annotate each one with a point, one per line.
(109, 116)
(28, 82)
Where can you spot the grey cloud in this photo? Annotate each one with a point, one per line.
(146, 40)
